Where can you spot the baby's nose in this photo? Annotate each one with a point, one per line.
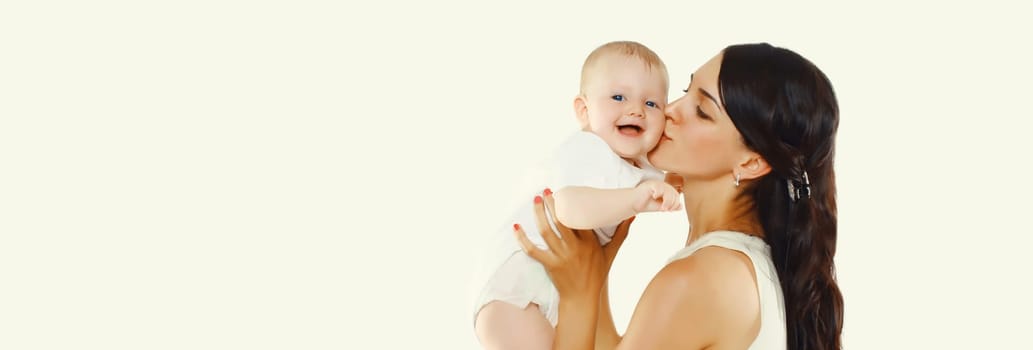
(636, 112)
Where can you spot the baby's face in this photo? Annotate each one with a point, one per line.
(625, 101)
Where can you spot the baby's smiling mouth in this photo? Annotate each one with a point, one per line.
(630, 130)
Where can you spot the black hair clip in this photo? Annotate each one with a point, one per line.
(794, 192)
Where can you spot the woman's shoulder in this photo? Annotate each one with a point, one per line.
(722, 263)
(716, 273)
(710, 291)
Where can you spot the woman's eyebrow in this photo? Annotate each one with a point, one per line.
(711, 97)
(705, 93)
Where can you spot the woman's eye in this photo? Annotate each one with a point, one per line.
(652, 104)
(685, 91)
(618, 97)
(699, 112)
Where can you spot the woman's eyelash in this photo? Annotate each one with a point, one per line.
(699, 111)
(686, 90)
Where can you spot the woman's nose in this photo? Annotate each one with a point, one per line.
(671, 115)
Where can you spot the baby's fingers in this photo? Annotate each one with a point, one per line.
(677, 206)
(658, 193)
(671, 201)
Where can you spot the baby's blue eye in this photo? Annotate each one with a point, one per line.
(652, 104)
(618, 97)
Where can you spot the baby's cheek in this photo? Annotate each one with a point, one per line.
(655, 129)
(656, 116)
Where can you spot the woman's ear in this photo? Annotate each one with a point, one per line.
(752, 167)
(581, 111)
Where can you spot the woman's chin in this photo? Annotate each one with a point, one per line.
(662, 159)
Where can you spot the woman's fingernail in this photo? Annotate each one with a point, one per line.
(516, 227)
(537, 199)
(548, 192)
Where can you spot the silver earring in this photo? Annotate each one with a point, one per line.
(736, 179)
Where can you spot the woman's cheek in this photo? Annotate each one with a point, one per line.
(703, 150)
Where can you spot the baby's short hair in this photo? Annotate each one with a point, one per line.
(624, 48)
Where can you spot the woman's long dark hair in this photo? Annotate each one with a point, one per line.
(786, 111)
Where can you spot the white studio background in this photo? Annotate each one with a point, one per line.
(313, 175)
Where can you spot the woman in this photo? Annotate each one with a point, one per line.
(752, 144)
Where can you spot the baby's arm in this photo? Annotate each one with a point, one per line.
(587, 208)
(580, 207)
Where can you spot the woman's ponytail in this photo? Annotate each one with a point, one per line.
(786, 111)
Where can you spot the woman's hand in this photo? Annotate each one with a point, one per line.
(575, 261)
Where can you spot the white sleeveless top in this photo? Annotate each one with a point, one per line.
(772, 335)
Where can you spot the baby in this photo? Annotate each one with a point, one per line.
(599, 176)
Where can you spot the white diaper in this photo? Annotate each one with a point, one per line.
(521, 280)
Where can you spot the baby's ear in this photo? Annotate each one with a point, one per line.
(581, 111)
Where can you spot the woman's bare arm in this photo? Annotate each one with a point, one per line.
(606, 336)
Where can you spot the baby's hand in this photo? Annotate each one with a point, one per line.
(655, 195)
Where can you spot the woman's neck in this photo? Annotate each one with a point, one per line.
(712, 208)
